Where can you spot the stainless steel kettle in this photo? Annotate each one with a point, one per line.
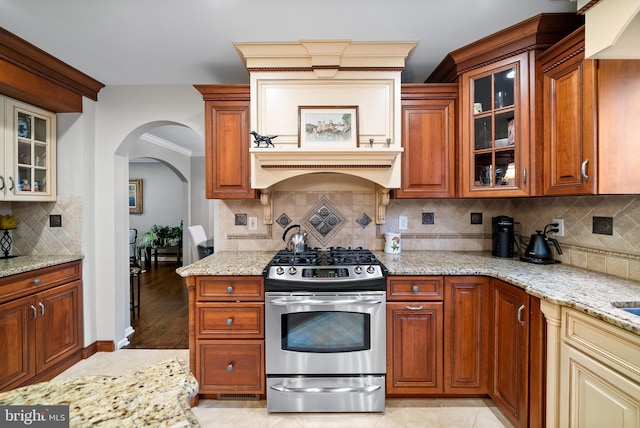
(297, 242)
(538, 250)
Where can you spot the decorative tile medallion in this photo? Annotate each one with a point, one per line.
(283, 220)
(363, 220)
(241, 220)
(323, 221)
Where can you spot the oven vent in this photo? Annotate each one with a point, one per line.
(238, 397)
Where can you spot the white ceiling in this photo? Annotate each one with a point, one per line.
(159, 42)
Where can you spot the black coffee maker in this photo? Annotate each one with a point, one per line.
(502, 236)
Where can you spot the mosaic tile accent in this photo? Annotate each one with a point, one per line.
(323, 221)
(283, 220)
(241, 219)
(364, 220)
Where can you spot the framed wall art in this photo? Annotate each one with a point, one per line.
(328, 126)
(135, 196)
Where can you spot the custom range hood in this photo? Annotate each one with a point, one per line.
(334, 106)
(612, 28)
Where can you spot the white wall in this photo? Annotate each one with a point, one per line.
(122, 114)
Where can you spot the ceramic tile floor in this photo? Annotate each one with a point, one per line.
(415, 413)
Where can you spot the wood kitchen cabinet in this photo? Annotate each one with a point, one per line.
(415, 336)
(517, 383)
(226, 334)
(227, 141)
(28, 141)
(428, 139)
(41, 324)
(466, 335)
(570, 117)
(500, 109)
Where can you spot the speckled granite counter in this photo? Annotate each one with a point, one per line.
(22, 264)
(158, 396)
(586, 291)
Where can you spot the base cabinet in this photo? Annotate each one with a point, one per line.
(226, 342)
(40, 324)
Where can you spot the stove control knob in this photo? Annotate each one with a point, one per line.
(358, 269)
(293, 270)
(370, 269)
(279, 270)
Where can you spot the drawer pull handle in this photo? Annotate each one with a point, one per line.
(520, 311)
(414, 308)
(229, 321)
(229, 289)
(35, 312)
(2, 181)
(230, 367)
(37, 281)
(13, 184)
(41, 308)
(415, 288)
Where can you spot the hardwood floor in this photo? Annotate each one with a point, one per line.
(164, 314)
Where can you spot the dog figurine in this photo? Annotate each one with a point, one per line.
(258, 139)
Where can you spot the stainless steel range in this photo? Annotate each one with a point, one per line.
(325, 333)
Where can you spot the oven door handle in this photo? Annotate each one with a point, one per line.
(285, 301)
(365, 388)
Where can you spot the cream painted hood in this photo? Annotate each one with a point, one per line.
(612, 28)
(292, 80)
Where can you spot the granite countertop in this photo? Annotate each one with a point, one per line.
(21, 264)
(586, 291)
(158, 396)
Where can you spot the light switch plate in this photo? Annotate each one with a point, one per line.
(253, 223)
(403, 221)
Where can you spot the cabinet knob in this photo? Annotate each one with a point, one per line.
(415, 288)
(230, 367)
(229, 321)
(229, 289)
(37, 281)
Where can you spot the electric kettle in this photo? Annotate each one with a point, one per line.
(297, 242)
(538, 250)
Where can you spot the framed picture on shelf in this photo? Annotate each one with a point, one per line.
(328, 126)
(135, 196)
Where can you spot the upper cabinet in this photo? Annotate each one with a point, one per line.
(570, 118)
(29, 146)
(428, 139)
(227, 141)
(588, 145)
(500, 112)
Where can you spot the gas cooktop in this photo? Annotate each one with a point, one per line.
(325, 269)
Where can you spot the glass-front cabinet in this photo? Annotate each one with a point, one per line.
(495, 157)
(30, 149)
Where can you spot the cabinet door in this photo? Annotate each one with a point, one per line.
(593, 395)
(495, 129)
(428, 138)
(30, 149)
(570, 120)
(59, 323)
(414, 348)
(227, 146)
(17, 331)
(466, 335)
(509, 386)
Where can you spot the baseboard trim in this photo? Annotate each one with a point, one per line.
(98, 346)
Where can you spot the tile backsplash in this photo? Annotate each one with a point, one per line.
(33, 235)
(452, 229)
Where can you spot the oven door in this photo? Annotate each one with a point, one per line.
(325, 333)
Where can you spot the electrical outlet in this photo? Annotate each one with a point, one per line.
(603, 225)
(560, 232)
(403, 221)
(253, 223)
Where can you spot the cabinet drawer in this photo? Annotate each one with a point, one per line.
(415, 288)
(34, 281)
(230, 320)
(230, 366)
(609, 344)
(229, 288)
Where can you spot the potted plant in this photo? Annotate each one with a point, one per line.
(161, 236)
